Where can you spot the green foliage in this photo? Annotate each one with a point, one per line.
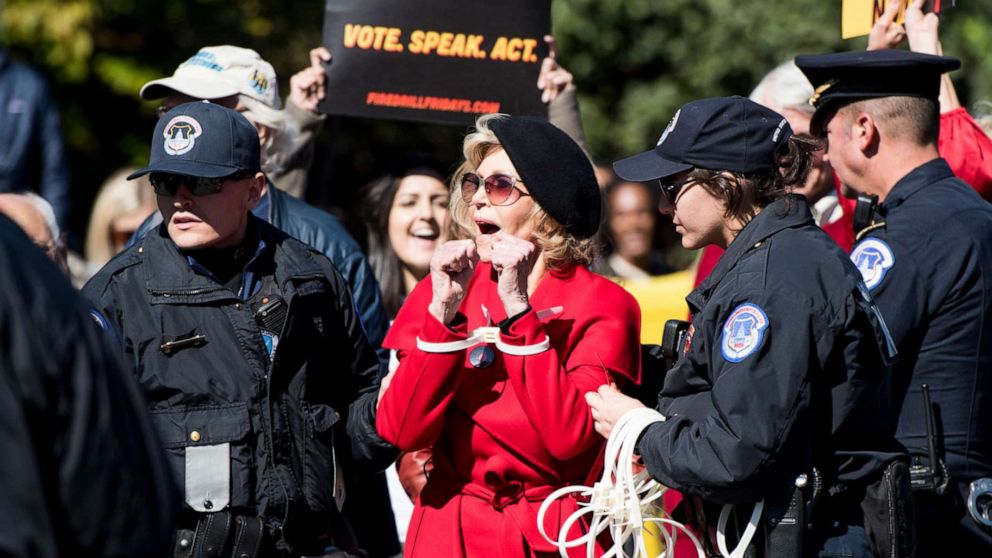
(635, 62)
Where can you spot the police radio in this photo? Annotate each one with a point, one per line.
(673, 339)
(864, 215)
(932, 476)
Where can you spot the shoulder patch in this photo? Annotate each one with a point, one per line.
(874, 259)
(743, 332)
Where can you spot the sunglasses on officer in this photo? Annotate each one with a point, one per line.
(501, 189)
(671, 189)
(167, 184)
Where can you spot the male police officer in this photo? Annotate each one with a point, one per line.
(247, 345)
(927, 260)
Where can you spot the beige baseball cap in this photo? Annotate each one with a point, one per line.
(221, 71)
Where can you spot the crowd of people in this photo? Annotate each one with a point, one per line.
(242, 374)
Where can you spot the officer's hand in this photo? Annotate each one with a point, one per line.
(922, 30)
(607, 406)
(512, 259)
(451, 269)
(307, 87)
(886, 33)
(553, 79)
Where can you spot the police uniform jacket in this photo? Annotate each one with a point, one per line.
(783, 370)
(212, 376)
(930, 269)
(505, 435)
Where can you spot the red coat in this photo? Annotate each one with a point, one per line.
(507, 435)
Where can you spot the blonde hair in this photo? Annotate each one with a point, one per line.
(118, 197)
(559, 247)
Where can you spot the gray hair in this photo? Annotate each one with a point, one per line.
(42, 206)
(783, 88)
(283, 133)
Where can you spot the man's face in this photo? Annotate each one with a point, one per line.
(216, 220)
(840, 148)
(631, 220)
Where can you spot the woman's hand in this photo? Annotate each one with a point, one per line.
(608, 405)
(512, 258)
(451, 269)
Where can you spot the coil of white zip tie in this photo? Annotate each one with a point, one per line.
(622, 502)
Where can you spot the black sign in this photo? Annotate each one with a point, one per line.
(435, 60)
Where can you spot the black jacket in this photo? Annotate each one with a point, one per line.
(930, 268)
(280, 416)
(784, 370)
(81, 473)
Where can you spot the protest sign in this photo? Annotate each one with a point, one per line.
(435, 60)
(858, 16)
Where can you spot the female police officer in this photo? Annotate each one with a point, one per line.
(782, 381)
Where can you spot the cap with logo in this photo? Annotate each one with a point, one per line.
(216, 72)
(722, 133)
(846, 77)
(205, 140)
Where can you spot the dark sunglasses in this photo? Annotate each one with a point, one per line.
(167, 184)
(499, 188)
(671, 189)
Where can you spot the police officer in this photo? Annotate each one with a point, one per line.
(248, 348)
(81, 473)
(782, 382)
(927, 259)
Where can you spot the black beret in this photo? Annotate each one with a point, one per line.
(850, 76)
(555, 170)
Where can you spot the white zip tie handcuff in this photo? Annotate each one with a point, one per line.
(490, 334)
(623, 502)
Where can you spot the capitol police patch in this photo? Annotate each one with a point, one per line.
(874, 259)
(180, 134)
(743, 332)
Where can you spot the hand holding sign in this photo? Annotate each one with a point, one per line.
(307, 87)
(553, 78)
(886, 33)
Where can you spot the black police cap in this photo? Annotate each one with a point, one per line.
(722, 133)
(205, 140)
(555, 170)
(846, 77)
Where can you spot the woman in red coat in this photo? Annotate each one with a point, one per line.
(503, 406)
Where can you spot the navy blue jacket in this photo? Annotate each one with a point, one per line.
(81, 470)
(325, 233)
(784, 370)
(930, 269)
(279, 413)
(32, 155)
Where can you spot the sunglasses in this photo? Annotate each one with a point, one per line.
(167, 184)
(499, 188)
(671, 190)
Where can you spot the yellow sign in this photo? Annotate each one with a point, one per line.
(858, 16)
(661, 299)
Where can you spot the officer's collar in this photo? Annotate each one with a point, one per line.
(927, 173)
(786, 213)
